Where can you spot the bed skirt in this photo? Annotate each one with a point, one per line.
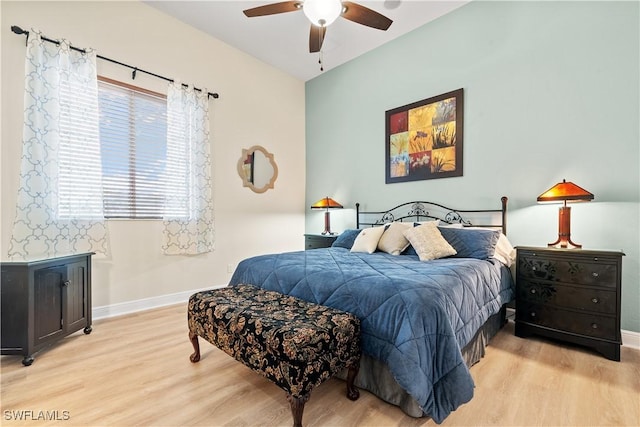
(375, 376)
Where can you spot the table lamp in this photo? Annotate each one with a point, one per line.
(326, 203)
(565, 192)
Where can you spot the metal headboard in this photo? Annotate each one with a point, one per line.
(421, 211)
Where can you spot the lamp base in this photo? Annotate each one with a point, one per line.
(568, 244)
(564, 231)
(327, 224)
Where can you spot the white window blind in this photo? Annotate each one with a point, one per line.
(133, 138)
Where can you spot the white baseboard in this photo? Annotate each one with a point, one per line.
(128, 307)
(631, 339)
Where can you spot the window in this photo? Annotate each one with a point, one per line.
(133, 140)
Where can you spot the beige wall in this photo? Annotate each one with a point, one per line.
(258, 104)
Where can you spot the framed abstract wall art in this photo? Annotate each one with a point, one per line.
(424, 139)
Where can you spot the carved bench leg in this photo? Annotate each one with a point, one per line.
(195, 357)
(352, 391)
(297, 407)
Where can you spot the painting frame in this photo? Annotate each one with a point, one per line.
(424, 139)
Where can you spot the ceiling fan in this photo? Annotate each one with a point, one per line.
(322, 13)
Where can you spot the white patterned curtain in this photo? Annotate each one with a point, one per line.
(188, 211)
(59, 207)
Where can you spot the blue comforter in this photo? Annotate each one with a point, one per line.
(416, 316)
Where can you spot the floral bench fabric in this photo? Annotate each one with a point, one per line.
(294, 343)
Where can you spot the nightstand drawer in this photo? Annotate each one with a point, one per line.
(574, 297)
(578, 323)
(317, 241)
(582, 270)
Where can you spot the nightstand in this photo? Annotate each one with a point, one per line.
(571, 295)
(316, 241)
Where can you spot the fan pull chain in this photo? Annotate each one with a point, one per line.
(320, 60)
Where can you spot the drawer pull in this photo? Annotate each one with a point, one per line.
(594, 326)
(594, 274)
(595, 300)
(533, 314)
(534, 268)
(533, 291)
(595, 258)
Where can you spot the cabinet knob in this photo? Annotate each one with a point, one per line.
(595, 300)
(595, 258)
(533, 291)
(533, 314)
(66, 283)
(594, 326)
(533, 268)
(594, 274)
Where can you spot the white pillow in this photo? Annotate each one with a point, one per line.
(428, 242)
(454, 225)
(505, 252)
(393, 241)
(367, 240)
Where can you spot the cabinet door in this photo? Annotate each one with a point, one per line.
(47, 303)
(14, 291)
(75, 302)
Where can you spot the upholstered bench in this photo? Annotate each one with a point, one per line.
(294, 343)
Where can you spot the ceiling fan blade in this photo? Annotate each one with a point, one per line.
(316, 37)
(274, 8)
(365, 16)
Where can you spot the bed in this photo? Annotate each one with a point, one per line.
(427, 308)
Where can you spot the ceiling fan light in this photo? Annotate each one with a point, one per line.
(322, 13)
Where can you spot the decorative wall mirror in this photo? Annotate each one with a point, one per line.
(258, 169)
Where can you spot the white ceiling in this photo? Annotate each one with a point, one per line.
(283, 40)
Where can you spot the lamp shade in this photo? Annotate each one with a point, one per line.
(565, 192)
(326, 203)
(322, 13)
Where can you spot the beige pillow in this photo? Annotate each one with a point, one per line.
(367, 240)
(428, 242)
(393, 241)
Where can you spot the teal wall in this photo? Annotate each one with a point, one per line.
(551, 91)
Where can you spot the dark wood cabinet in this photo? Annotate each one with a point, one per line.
(43, 301)
(316, 241)
(571, 295)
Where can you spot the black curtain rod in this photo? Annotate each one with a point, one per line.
(20, 31)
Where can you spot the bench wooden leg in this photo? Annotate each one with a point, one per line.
(297, 407)
(195, 357)
(352, 391)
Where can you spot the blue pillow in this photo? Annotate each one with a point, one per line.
(471, 242)
(409, 251)
(346, 238)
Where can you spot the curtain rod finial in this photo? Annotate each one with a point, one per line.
(18, 30)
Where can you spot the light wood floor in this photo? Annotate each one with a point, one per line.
(135, 371)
